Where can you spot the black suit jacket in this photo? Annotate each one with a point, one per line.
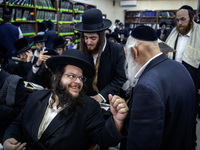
(41, 77)
(74, 132)
(50, 36)
(159, 33)
(161, 110)
(8, 113)
(111, 73)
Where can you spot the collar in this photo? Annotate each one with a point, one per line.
(139, 73)
(96, 55)
(37, 53)
(187, 35)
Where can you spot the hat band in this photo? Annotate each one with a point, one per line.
(93, 26)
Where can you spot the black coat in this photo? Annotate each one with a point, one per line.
(111, 72)
(41, 77)
(74, 132)
(161, 110)
(8, 113)
(50, 36)
(159, 33)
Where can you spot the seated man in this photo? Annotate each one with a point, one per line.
(69, 44)
(64, 117)
(39, 42)
(12, 96)
(40, 74)
(23, 50)
(59, 44)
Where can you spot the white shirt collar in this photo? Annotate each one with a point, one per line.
(139, 73)
(95, 55)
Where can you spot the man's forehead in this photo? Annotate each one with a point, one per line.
(69, 67)
(182, 13)
(91, 34)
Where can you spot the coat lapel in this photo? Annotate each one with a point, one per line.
(38, 116)
(105, 56)
(55, 124)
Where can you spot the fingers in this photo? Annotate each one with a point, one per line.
(13, 144)
(22, 146)
(118, 103)
(12, 141)
(43, 57)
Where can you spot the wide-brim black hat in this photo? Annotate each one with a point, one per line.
(72, 57)
(59, 42)
(39, 39)
(3, 51)
(22, 45)
(92, 21)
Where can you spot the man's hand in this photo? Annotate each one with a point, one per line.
(13, 144)
(119, 109)
(97, 98)
(42, 58)
(29, 54)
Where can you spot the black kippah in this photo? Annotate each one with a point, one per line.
(186, 7)
(144, 33)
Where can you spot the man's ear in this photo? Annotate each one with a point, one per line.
(135, 52)
(192, 18)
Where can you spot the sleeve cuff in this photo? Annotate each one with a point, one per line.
(104, 101)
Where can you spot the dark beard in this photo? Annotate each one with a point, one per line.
(71, 104)
(185, 30)
(94, 51)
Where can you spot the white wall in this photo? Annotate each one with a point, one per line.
(117, 12)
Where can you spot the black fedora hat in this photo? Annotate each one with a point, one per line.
(39, 39)
(59, 42)
(3, 50)
(22, 45)
(92, 21)
(72, 57)
(50, 52)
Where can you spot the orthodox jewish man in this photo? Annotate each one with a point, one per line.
(162, 104)
(107, 57)
(64, 117)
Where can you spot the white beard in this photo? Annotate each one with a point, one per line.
(132, 67)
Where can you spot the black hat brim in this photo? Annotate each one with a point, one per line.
(24, 49)
(40, 41)
(54, 62)
(106, 24)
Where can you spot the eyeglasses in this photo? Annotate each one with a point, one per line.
(181, 19)
(73, 77)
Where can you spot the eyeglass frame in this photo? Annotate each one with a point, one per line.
(74, 77)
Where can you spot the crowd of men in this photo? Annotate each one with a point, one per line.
(153, 96)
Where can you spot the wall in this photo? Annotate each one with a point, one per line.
(117, 12)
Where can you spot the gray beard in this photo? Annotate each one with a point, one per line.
(132, 68)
